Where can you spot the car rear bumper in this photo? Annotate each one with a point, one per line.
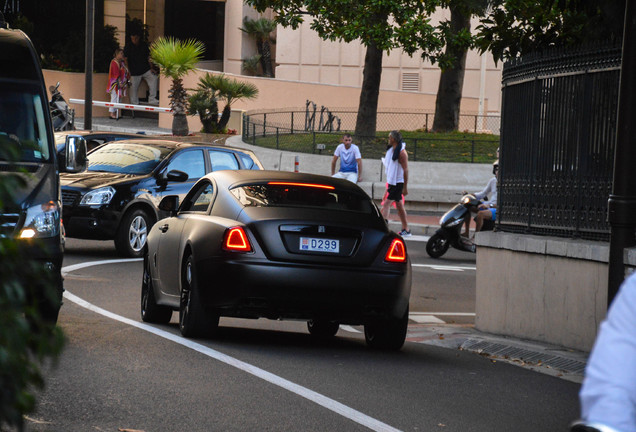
(293, 291)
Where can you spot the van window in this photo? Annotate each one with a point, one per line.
(23, 121)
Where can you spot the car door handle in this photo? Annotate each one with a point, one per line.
(164, 228)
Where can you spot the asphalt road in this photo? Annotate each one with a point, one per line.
(117, 373)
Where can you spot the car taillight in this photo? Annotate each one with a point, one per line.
(396, 252)
(236, 240)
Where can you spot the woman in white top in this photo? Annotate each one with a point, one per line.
(397, 176)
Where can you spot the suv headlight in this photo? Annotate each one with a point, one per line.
(98, 196)
(42, 221)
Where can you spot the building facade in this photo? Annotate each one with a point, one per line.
(300, 55)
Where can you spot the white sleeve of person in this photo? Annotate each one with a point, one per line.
(608, 394)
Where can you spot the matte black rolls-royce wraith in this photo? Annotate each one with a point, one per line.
(278, 245)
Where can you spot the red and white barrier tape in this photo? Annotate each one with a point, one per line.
(124, 106)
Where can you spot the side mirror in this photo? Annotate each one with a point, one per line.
(176, 176)
(170, 204)
(75, 153)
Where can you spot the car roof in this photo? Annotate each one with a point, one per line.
(176, 144)
(231, 178)
(92, 132)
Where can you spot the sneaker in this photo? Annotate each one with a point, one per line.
(405, 233)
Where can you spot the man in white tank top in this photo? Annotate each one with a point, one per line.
(397, 176)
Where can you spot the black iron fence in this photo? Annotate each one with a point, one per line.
(558, 137)
(319, 130)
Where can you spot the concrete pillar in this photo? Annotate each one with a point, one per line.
(115, 15)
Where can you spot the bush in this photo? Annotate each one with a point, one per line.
(26, 340)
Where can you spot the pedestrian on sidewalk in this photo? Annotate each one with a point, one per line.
(117, 81)
(350, 160)
(137, 56)
(397, 176)
(608, 394)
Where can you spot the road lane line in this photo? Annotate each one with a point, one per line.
(304, 392)
(445, 267)
(444, 313)
(417, 238)
(426, 319)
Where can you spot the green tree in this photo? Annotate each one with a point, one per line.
(211, 90)
(261, 30)
(176, 59)
(457, 39)
(517, 27)
(380, 25)
(26, 339)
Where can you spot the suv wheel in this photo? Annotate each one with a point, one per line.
(130, 239)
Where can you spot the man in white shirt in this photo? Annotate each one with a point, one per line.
(350, 160)
(608, 394)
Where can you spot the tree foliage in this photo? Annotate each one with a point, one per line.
(177, 58)
(26, 339)
(213, 89)
(261, 31)
(380, 25)
(516, 27)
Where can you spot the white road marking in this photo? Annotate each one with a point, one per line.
(418, 238)
(304, 392)
(445, 267)
(426, 319)
(444, 313)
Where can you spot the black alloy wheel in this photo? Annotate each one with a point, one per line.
(322, 329)
(387, 334)
(437, 245)
(151, 312)
(194, 320)
(132, 234)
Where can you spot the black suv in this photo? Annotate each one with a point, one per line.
(119, 194)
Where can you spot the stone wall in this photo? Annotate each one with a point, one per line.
(541, 288)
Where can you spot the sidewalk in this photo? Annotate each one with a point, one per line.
(548, 359)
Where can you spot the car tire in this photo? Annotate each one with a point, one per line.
(387, 334)
(151, 312)
(132, 234)
(322, 329)
(437, 245)
(194, 320)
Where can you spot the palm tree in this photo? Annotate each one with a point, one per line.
(211, 90)
(261, 29)
(176, 59)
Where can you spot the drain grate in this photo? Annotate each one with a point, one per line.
(513, 353)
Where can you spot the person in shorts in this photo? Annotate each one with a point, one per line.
(350, 160)
(397, 176)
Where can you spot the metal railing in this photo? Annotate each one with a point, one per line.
(311, 131)
(557, 142)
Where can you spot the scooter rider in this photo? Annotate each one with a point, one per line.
(489, 191)
(488, 209)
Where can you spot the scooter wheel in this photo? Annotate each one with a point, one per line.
(437, 245)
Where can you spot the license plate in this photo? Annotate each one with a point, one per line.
(319, 245)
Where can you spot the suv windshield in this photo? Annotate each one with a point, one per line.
(23, 121)
(127, 158)
(297, 195)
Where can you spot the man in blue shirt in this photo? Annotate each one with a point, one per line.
(350, 160)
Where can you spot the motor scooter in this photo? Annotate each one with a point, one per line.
(449, 234)
(62, 116)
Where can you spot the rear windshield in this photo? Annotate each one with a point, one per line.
(127, 158)
(293, 195)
